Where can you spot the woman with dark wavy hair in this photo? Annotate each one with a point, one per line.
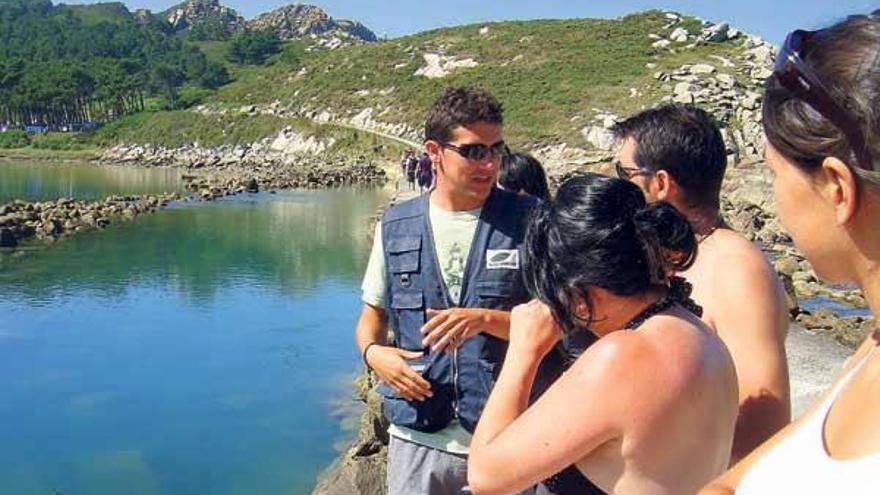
(522, 173)
(650, 407)
(822, 122)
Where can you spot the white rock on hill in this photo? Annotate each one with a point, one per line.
(290, 143)
(680, 35)
(437, 66)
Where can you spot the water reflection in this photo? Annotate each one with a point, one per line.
(200, 349)
(286, 241)
(33, 181)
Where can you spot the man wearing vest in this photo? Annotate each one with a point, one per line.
(444, 273)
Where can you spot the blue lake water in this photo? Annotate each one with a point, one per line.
(201, 349)
(38, 182)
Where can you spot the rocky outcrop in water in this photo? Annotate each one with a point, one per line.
(51, 220)
(212, 173)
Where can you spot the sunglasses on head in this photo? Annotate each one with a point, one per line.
(796, 76)
(479, 151)
(627, 173)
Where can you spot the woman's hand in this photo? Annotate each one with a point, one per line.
(533, 329)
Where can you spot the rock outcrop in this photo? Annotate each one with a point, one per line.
(361, 469)
(291, 22)
(286, 161)
(193, 12)
(437, 66)
(295, 22)
(51, 220)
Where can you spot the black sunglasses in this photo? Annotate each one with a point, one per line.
(627, 173)
(479, 151)
(796, 76)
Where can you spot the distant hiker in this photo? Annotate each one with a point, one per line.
(522, 173)
(651, 406)
(675, 153)
(425, 172)
(444, 272)
(823, 146)
(412, 165)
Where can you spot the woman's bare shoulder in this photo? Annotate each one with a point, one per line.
(620, 354)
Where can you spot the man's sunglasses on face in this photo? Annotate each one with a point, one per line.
(479, 151)
(796, 76)
(627, 173)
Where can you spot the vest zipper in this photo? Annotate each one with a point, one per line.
(430, 233)
(478, 234)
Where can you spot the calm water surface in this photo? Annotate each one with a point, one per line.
(39, 182)
(202, 349)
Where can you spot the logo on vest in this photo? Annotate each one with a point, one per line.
(497, 259)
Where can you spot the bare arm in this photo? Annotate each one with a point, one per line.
(727, 483)
(513, 448)
(752, 320)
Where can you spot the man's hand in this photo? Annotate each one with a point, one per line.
(533, 329)
(448, 328)
(391, 367)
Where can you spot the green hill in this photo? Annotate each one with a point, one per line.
(553, 76)
(91, 15)
(558, 79)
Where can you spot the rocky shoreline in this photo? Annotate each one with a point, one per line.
(50, 221)
(225, 170)
(209, 173)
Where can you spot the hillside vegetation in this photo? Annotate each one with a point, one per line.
(556, 78)
(549, 74)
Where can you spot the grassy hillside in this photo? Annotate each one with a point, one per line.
(545, 72)
(90, 15)
(553, 77)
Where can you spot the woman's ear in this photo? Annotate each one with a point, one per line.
(839, 187)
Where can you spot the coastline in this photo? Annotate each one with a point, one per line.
(361, 468)
(218, 176)
(49, 156)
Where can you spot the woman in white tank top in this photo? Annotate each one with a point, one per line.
(823, 132)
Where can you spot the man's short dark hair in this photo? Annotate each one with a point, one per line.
(684, 141)
(461, 106)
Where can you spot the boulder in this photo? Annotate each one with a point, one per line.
(252, 186)
(717, 33)
(702, 69)
(599, 137)
(661, 44)
(726, 81)
(787, 265)
(680, 35)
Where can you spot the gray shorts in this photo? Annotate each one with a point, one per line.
(415, 469)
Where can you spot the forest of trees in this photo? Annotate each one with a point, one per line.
(59, 71)
(253, 47)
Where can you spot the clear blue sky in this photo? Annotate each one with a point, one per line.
(770, 19)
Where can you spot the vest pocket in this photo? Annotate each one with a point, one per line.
(404, 254)
(430, 415)
(499, 294)
(409, 310)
